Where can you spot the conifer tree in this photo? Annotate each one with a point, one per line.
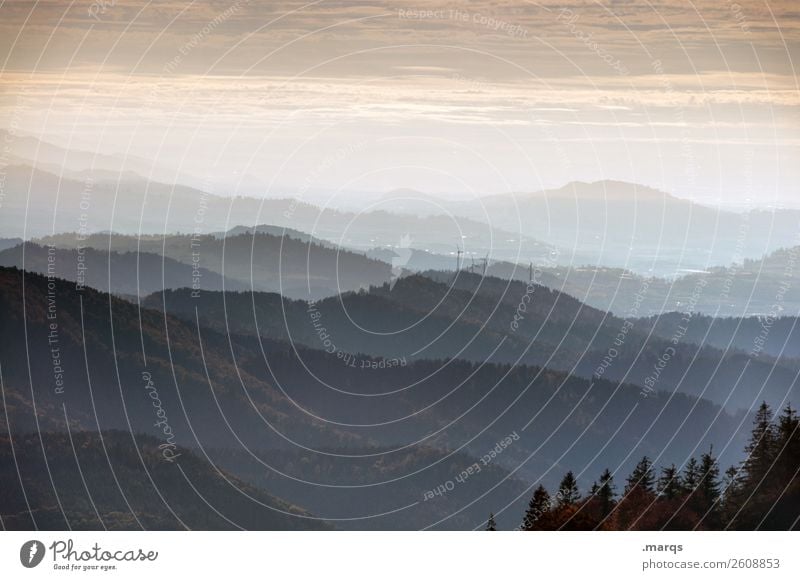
(707, 499)
(636, 506)
(641, 477)
(568, 493)
(691, 477)
(491, 526)
(788, 446)
(709, 483)
(731, 481)
(758, 491)
(760, 450)
(538, 507)
(731, 492)
(669, 484)
(605, 493)
(762, 493)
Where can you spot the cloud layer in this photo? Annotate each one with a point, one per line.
(651, 91)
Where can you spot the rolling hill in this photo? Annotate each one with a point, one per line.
(116, 481)
(236, 392)
(121, 273)
(473, 318)
(263, 261)
(38, 203)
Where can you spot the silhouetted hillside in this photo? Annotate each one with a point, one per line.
(113, 480)
(750, 288)
(776, 336)
(377, 489)
(262, 261)
(127, 273)
(229, 391)
(473, 318)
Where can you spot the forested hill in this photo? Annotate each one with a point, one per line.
(116, 481)
(484, 318)
(226, 390)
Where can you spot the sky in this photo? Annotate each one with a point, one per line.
(452, 98)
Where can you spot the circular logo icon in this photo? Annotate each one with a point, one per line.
(31, 553)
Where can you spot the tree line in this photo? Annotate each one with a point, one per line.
(761, 493)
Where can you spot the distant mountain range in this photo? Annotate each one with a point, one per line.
(75, 163)
(121, 273)
(293, 265)
(6, 243)
(601, 224)
(776, 336)
(470, 320)
(38, 203)
(626, 225)
(769, 285)
(750, 288)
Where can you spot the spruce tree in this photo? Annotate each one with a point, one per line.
(568, 493)
(641, 477)
(636, 506)
(709, 484)
(691, 477)
(538, 507)
(758, 490)
(491, 526)
(708, 491)
(760, 450)
(788, 446)
(731, 492)
(669, 484)
(731, 481)
(605, 493)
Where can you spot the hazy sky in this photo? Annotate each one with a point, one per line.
(699, 98)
